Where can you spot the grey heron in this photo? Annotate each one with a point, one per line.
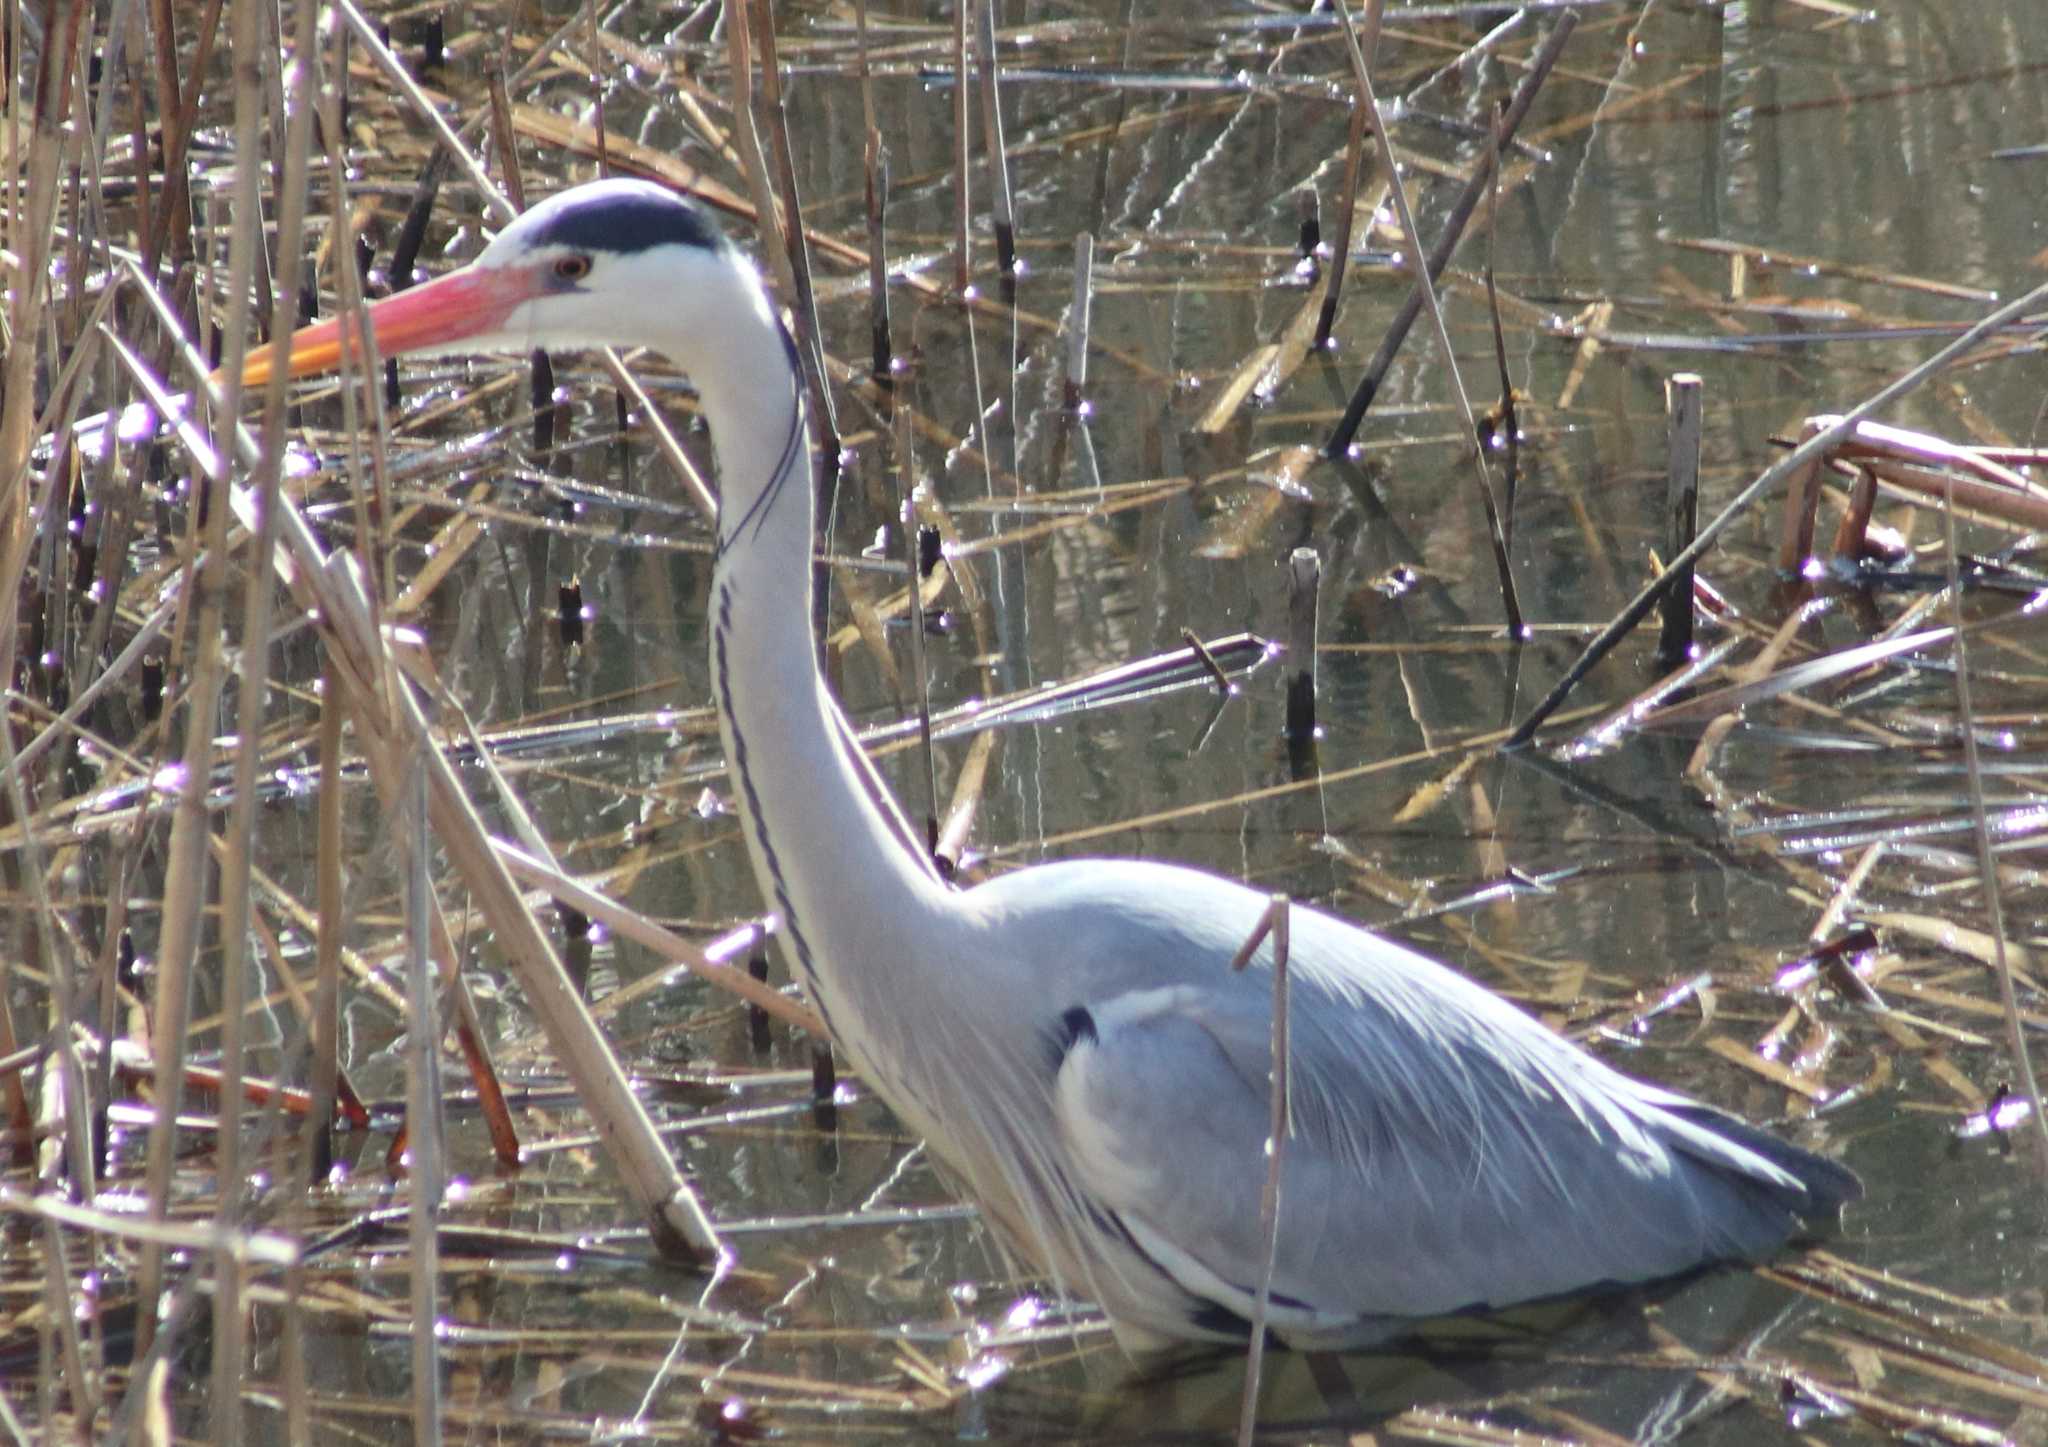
(1069, 1038)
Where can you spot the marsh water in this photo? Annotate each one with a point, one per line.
(1795, 201)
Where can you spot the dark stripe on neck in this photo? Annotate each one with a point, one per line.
(754, 819)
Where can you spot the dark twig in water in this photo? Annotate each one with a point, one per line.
(1540, 66)
(1308, 211)
(1201, 651)
(1425, 287)
(1347, 212)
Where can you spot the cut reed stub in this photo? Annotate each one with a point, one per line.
(824, 1087)
(1308, 211)
(1304, 585)
(1682, 401)
(757, 1018)
(569, 613)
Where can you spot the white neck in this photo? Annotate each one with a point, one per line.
(832, 854)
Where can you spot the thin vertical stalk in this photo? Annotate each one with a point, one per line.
(423, 1104)
(253, 676)
(1987, 859)
(325, 1025)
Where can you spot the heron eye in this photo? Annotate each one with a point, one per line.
(572, 268)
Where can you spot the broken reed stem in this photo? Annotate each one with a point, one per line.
(875, 171)
(962, 139)
(1987, 860)
(1073, 390)
(920, 679)
(1425, 287)
(1510, 424)
(803, 301)
(1682, 402)
(882, 360)
(1540, 66)
(1347, 215)
(1002, 219)
(1814, 447)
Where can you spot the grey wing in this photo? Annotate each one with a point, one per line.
(1445, 1154)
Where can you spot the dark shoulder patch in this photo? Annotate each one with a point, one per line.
(1217, 1319)
(1076, 1025)
(630, 221)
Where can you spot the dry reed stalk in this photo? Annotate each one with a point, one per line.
(186, 874)
(254, 673)
(574, 1034)
(31, 239)
(1304, 591)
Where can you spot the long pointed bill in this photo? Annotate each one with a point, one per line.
(436, 314)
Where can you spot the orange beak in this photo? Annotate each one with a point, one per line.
(436, 314)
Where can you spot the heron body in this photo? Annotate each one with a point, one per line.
(1070, 1039)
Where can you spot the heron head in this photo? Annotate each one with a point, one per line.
(617, 263)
